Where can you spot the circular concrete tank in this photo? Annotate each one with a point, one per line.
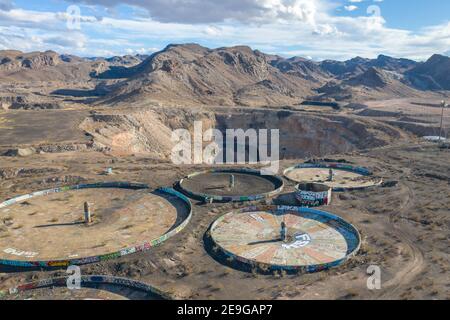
(313, 194)
(315, 240)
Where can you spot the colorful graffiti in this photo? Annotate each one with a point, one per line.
(345, 229)
(113, 255)
(217, 198)
(85, 282)
(313, 194)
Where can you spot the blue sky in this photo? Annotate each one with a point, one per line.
(408, 14)
(317, 29)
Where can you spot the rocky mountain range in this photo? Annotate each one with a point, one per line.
(190, 74)
(51, 66)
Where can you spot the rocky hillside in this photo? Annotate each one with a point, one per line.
(434, 74)
(190, 74)
(373, 84)
(11, 60)
(51, 66)
(358, 65)
(302, 68)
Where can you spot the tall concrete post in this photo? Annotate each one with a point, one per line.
(330, 175)
(87, 213)
(232, 181)
(283, 232)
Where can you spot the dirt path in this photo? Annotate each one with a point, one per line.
(415, 266)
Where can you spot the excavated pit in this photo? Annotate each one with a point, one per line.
(309, 135)
(301, 135)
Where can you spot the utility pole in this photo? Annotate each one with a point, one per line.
(442, 121)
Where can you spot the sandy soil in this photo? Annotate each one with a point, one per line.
(404, 225)
(218, 184)
(404, 230)
(310, 240)
(341, 178)
(47, 228)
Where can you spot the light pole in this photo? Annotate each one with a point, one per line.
(442, 121)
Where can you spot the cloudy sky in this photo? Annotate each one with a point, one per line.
(317, 29)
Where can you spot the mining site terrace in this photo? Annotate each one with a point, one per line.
(65, 120)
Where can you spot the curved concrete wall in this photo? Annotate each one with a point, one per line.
(278, 182)
(125, 185)
(86, 280)
(347, 229)
(339, 166)
(313, 194)
(138, 248)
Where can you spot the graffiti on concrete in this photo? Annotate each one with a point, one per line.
(347, 230)
(300, 240)
(211, 198)
(86, 260)
(313, 194)
(85, 282)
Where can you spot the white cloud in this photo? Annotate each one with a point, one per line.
(217, 11)
(281, 26)
(351, 8)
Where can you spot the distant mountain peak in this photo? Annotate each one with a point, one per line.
(438, 57)
(434, 74)
(373, 78)
(192, 74)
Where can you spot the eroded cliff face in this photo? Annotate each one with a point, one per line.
(144, 132)
(149, 132)
(303, 135)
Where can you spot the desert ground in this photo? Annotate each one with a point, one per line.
(66, 120)
(404, 224)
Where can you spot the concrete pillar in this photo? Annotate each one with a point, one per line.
(87, 213)
(232, 181)
(283, 232)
